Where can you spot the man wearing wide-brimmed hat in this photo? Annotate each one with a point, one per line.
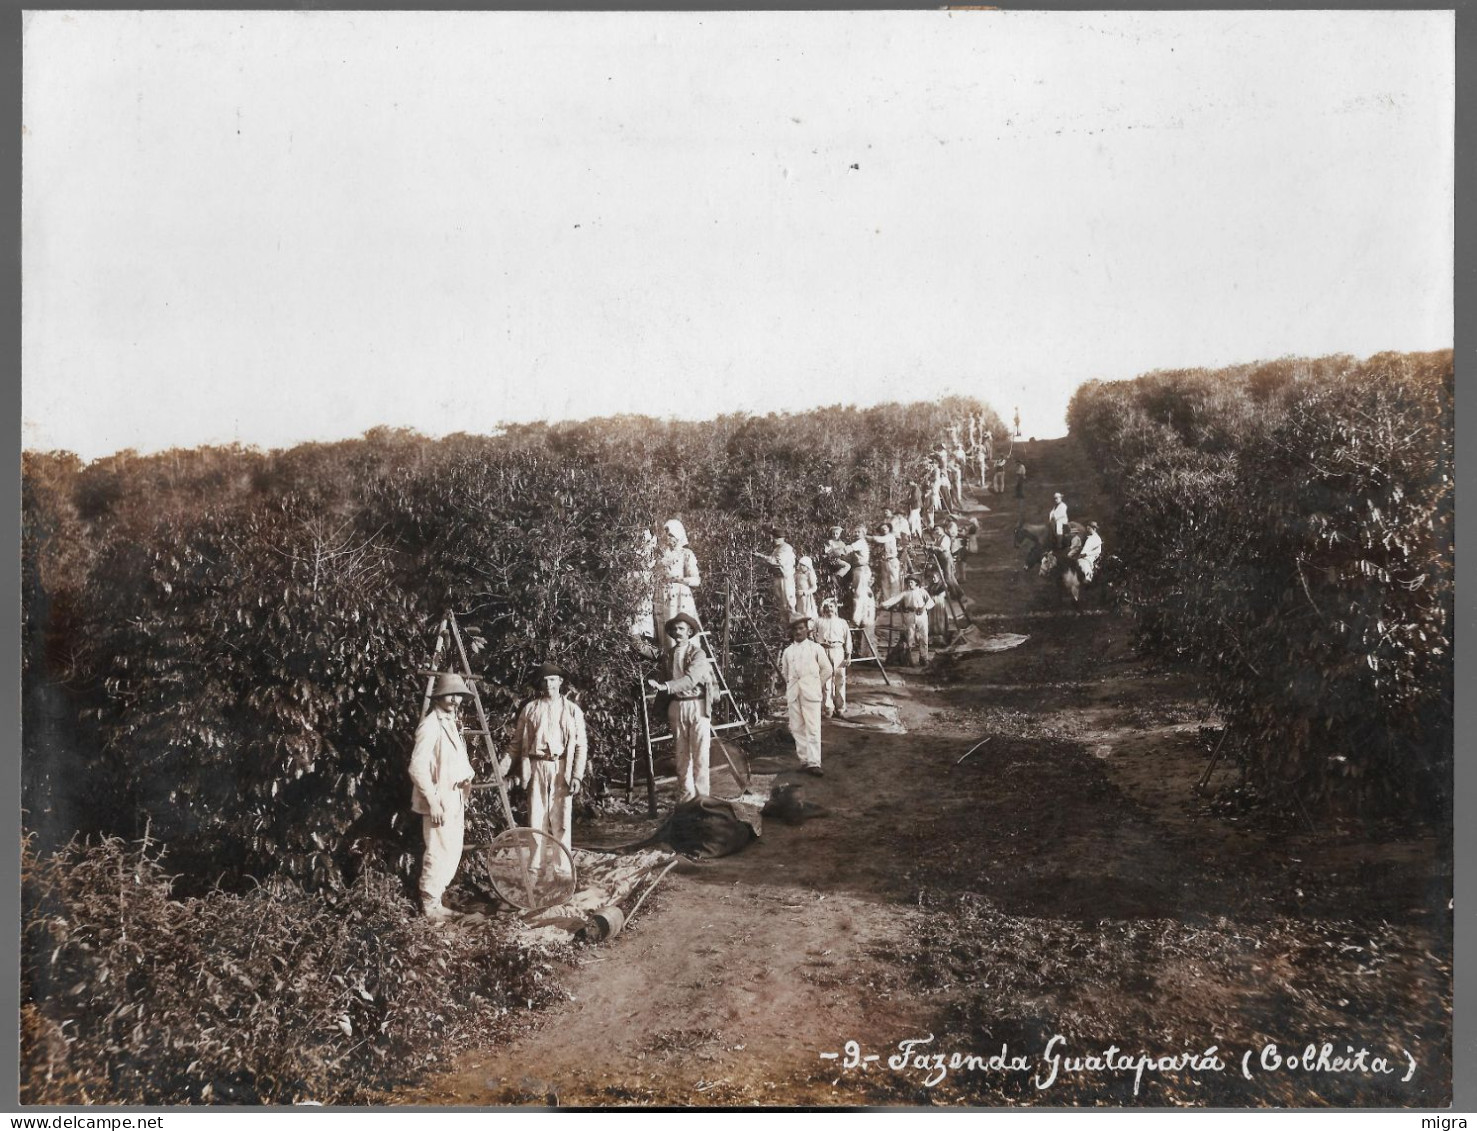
(687, 679)
(441, 775)
(916, 602)
(806, 668)
(549, 752)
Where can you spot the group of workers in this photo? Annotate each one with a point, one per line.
(821, 609)
(547, 757)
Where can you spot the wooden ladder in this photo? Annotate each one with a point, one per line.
(652, 737)
(865, 635)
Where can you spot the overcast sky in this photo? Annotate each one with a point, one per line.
(270, 227)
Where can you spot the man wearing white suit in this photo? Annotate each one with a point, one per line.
(806, 669)
(441, 778)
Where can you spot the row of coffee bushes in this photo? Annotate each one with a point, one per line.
(221, 644)
(1286, 529)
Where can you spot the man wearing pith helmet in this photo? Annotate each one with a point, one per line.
(441, 777)
(687, 679)
(549, 752)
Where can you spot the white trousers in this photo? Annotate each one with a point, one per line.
(692, 734)
(892, 577)
(915, 522)
(443, 851)
(549, 807)
(805, 725)
(833, 691)
(915, 630)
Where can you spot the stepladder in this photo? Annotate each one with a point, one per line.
(725, 716)
(865, 649)
(528, 869)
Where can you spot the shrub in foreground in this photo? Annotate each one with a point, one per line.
(131, 996)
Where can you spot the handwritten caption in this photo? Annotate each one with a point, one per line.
(1058, 1061)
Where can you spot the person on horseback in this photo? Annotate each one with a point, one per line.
(1089, 552)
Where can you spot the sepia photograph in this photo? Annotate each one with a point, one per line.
(729, 560)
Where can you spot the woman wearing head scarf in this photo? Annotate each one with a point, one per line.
(675, 576)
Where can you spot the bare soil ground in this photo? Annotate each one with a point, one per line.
(1061, 890)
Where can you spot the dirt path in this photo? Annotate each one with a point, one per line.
(1064, 878)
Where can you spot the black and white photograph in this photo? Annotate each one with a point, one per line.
(729, 560)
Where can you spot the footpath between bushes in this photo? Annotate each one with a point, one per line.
(1061, 890)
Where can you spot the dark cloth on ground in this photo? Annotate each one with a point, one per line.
(705, 826)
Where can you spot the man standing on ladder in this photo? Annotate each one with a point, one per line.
(441, 778)
(783, 561)
(688, 684)
(549, 753)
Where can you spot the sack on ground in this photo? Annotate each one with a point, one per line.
(705, 826)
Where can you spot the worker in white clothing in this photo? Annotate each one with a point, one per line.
(860, 547)
(891, 573)
(1056, 521)
(441, 779)
(687, 680)
(675, 575)
(938, 484)
(834, 556)
(915, 602)
(863, 602)
(549, 752)
(806, 669)
(833, 633)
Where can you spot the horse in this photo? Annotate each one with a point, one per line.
(1060, 562)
